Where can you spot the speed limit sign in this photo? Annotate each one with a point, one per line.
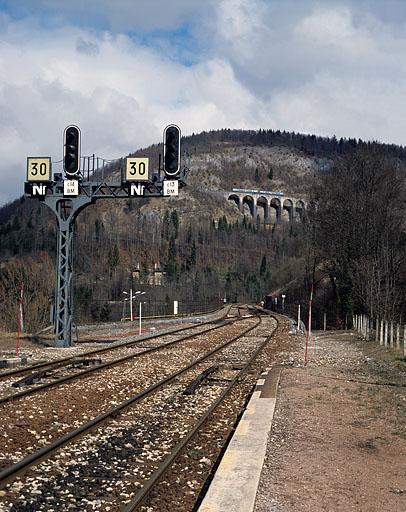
(136, 169)
(38, 168)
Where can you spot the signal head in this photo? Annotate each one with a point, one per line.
(71, 150)
(172, 151)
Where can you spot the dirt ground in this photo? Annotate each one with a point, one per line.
(338, 441)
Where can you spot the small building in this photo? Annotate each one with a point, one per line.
(154, 277)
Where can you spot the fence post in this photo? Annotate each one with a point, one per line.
(386, 333)
(404, 340)
(325, 321)
(391, 334)
(377, 329)
(381, 334)
(398, 336)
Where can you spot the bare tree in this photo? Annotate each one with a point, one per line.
(359, 230)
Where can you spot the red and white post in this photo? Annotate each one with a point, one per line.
(309, 325)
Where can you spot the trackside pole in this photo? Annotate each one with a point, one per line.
(309, 325)
(404, 340)
(140, 329)
(21, 307)
(18, 333)
(20, 318)
(298, 317)
(381, 334)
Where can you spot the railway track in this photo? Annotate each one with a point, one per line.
(140, 438)
(48, 374)
(60, 362)
(42, 415)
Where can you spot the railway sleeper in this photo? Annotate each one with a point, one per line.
(31, 379)
(90, 361)
(192, 386)
(39, 376)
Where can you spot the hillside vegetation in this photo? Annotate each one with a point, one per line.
(208, 249)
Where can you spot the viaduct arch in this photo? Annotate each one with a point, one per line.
(268, 207)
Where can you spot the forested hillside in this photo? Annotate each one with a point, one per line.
(207, 249)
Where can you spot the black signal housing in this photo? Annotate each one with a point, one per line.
(172, 137)
(71, 151)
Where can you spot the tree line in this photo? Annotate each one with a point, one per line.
(204, 261)
(356, 236)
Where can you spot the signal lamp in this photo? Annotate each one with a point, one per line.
(172, 151)
(71, 150)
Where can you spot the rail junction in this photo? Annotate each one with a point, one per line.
(104, 431)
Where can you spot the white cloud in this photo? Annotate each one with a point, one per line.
(318, 67)
(119, 93)
(323, 67)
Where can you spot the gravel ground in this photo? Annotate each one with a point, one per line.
(338, 441)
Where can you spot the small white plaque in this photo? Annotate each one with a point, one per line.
(171, 188)
(70, 188)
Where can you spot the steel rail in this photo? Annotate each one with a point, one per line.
(108, 364)
(143, 493)
(55, 364)
(11, 472)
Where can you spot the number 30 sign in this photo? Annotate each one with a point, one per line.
(136, 169)
(38, 169)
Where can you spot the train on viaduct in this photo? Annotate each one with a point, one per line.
(268, 207)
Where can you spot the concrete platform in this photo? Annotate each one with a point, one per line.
(234, 486)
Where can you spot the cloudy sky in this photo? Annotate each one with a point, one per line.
(123, 69)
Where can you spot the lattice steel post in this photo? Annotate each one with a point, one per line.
(64, 288)
(66, 211)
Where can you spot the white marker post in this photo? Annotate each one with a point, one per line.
(398, 336)
(140, 316)
(404, 340)
(140, 312)
(309, 325)
(298, 317)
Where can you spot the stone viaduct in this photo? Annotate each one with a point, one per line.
(268, 207)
